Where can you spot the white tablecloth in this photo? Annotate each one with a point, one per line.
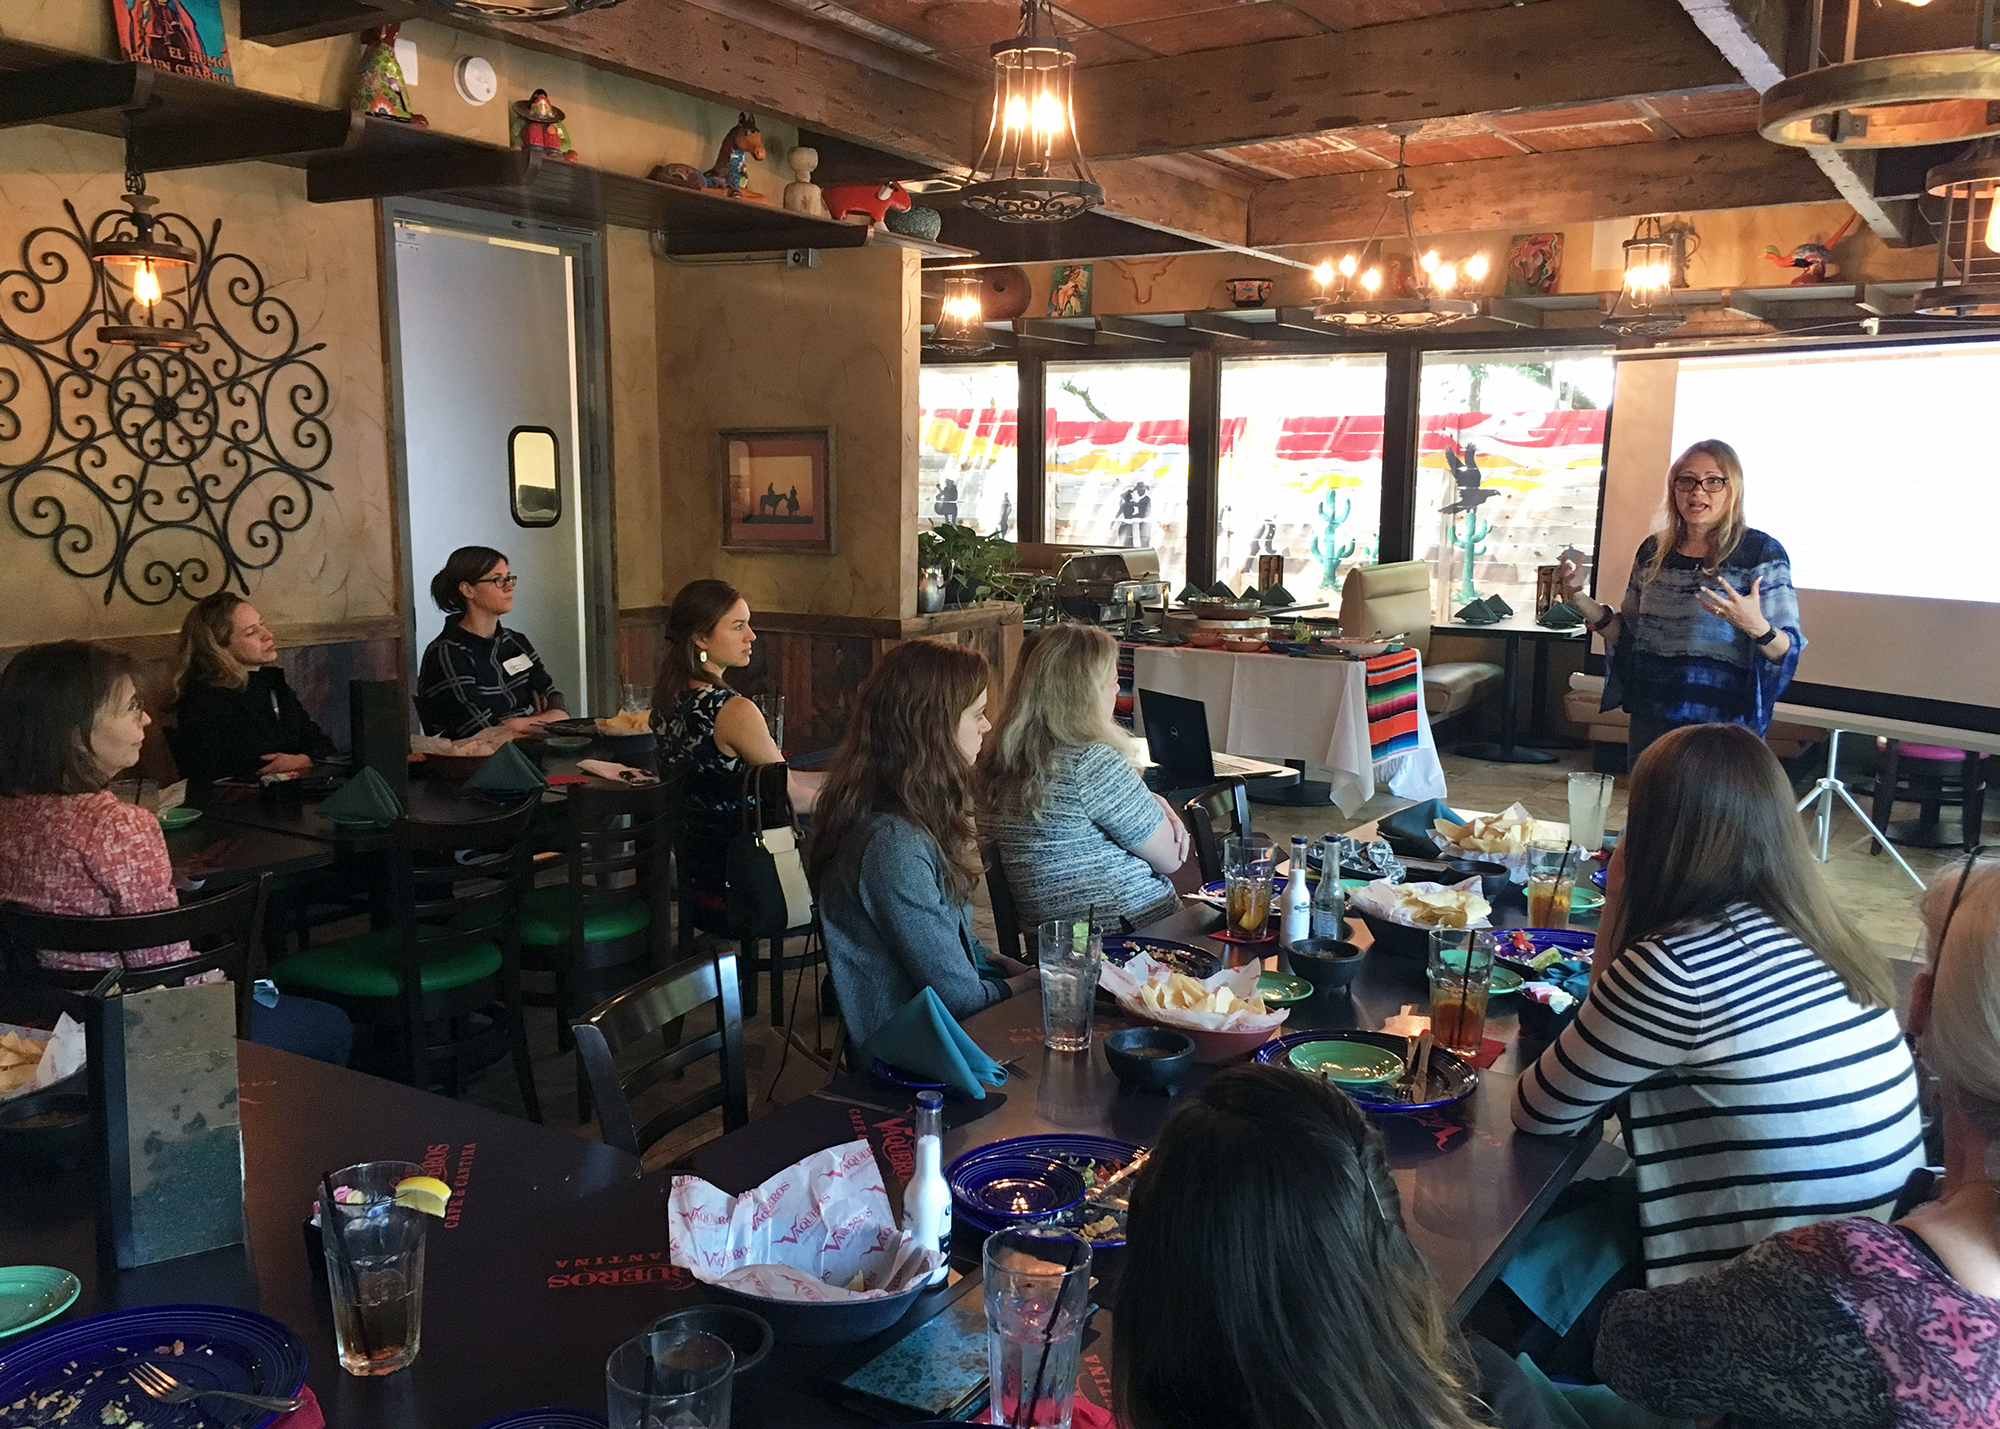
(1274, 707)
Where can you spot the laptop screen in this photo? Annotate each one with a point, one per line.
(1177, 737)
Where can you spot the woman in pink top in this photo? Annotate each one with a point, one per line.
(70, 721)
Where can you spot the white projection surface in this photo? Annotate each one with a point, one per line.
(1878, 472)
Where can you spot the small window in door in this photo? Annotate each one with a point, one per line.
(531, 476)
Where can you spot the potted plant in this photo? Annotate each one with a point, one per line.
(966, 565)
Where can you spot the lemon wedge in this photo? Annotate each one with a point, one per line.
(423, 1193)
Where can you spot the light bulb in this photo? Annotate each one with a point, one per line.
(1993, 220)
(1016, 114)
(1323, 274)
(1371, 280)
(146, 284)
(1429, 261)
(1445, 276)
(1475, 268)
(1347, 265)
(1048, 116)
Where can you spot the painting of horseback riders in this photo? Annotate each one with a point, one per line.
(778, 491)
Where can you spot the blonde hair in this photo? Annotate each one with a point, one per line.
(1054, 705)
(204, 645)
(1962, 1044)
(1728, 536)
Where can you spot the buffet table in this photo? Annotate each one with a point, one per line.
(1275, 706)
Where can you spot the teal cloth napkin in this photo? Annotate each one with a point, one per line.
(1590, 1406)
(924, 1038)
(1567, 1259)
(1408, 831)
(507, 771)
(364, 799)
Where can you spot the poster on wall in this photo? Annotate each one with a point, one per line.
(1069, 291)
(1534, 264)
(777, 490)
(180, 36)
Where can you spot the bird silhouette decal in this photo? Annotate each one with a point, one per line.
(1465, 472)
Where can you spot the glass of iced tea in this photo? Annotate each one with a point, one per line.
(374, 1267)
(1461, 974)
(1248, 863)
(1551, 875)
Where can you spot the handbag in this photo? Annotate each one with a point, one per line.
(767, 890)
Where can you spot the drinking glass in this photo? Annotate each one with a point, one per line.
(1037, 1285)
(669, 1379)
(1070, 953)
(374, 1267)
(1248, 863)
(1589, 803)
(1461, 975)
(772, 707)
(634, 699)
(1551, 875)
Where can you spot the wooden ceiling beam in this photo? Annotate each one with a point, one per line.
(1541, 190)
(1548, 55)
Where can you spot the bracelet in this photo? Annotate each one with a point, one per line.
(1766, 638)
(1597, 626)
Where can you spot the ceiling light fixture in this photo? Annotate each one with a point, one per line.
(1656, 258)
(961, 321)
(1888, 101)
(1032, 169)
(1430, 285)
(524, 10)
(1968, 238)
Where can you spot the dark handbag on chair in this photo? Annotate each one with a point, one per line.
(768, 893)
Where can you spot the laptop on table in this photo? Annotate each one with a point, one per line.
(1177, 743)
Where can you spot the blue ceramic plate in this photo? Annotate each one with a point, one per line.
(32, 1295)
(1452, 1078)
(1597, 879)
(881, 1071)
(221, 1348)
(1180, 957)
(1021, 1187)
(1096, 1158)
(546, 1419)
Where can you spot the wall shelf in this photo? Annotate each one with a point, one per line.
(291, 22)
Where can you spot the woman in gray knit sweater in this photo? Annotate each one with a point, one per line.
(894, 857)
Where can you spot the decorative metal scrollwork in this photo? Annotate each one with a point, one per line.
(161, 471)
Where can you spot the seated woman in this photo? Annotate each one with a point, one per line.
(894, 858)
(235, 715)
(708, 735)
(478, 673)
(1075, 826)
(1853, 1324)
(1269, 1284)
(71, 720)
(1751, 1023)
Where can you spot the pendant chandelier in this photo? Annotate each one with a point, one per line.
(146, 296)
(1032, 169)
(961, 321)
(524, 10)
(1655, 263)
(1888, 101)
(1968, 240)
(1431, 283)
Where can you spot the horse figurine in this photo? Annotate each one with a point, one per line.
(739, 146)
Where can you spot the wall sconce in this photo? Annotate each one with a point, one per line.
(1034, 167)
(1656, 257)
(1967, 284)
(961, 321)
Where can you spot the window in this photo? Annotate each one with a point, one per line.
(1510, 455)
(532, 485)
(1301, 469)
(967, 462)
(1117, 459)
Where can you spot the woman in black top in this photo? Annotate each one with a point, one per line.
(478, 673)
(235, 716)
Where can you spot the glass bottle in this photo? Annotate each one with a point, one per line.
(1329, 905)
(1297, 924)
(927, 1199)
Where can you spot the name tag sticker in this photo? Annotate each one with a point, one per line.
(518, 664)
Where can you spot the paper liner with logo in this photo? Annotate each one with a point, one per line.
(1384, 900)
(803, 1235)
(62, 1054)
(1124, 983)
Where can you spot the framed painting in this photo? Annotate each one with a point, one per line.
(777, 490)
(1534, 264)
(182, 36)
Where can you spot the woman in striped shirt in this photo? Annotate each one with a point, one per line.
(1749, 1021)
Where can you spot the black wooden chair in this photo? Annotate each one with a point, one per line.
(1006, 917)
(445, 978)
(658, 1007)
(221, 931)
(600, 930)
(1220, 811)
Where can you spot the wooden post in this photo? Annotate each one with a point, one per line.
(1400, 426)
(1204, 464)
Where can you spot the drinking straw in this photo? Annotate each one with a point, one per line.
(329, 1210)
(1048, 1338)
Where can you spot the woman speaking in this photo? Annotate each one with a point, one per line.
(1709, 631)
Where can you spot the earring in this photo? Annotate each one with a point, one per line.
(701, 654)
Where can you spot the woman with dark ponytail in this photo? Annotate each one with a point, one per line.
(478, 672)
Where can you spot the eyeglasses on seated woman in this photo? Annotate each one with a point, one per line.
(479, 673)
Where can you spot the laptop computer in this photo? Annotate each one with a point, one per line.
(1177, 742)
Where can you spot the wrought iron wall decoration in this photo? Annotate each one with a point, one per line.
(162, 468)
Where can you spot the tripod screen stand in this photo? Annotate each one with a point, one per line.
(1825, 792)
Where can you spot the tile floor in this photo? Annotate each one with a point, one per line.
(1873, 889)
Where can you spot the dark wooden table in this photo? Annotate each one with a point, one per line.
(217, 854)
(1510, 748)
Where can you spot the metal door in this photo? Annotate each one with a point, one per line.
(489, 318)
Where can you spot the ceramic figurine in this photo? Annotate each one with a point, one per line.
(1813, 260)
(848, 201)
(1248, 292)
(740, 145)
(538, 124)
(924, 223)
(802, 195)
(380, 92)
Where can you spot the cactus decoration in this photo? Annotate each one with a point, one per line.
(1467, 539)
(1327, 545)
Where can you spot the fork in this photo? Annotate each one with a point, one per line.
(162, 1386)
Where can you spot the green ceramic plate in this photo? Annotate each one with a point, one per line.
(180, 818)
(566, 743)
(1503, 981)
(1353, 1062)
(1584, 899)
(1282, 989)
(30, 1295)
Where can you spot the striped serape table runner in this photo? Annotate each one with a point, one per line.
(1395, 704)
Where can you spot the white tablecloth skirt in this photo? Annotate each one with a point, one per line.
(1275, 707)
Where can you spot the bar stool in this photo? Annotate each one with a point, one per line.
(1933, 776)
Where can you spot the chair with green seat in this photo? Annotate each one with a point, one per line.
(444, 980)
(600, 930)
